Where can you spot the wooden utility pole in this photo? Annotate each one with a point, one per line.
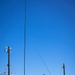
(44, 74)
(63, 69)
(8, 51)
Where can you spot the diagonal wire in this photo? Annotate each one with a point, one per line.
(43, 62)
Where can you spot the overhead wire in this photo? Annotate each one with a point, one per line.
(43, 62)
(25, 46)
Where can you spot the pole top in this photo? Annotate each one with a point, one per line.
(7, 49)
(44, 74)
(63, 65)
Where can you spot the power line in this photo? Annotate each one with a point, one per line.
(43, 62)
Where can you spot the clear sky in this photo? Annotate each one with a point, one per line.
(50, 29)
(12, 34)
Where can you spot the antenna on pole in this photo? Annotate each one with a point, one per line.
(63, 69)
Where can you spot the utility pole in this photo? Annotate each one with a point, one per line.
(44, 74)
(8, 51)
(63, 69)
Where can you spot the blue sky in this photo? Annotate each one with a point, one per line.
(50, 29)
(12, 34)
